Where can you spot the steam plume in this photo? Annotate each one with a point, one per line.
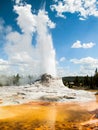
(20, 49)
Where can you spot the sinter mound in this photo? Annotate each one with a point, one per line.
(45, 78)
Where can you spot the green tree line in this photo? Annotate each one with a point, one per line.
(89, 82)
(16, 80)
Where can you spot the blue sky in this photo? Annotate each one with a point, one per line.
(61, 34)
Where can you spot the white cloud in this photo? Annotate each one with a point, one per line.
(87, 65)
(78, 44)
(62, 59)
(84, 8)
(87, 60)
(61, 72)
(65, 71)
(4, 65)
(87, 70)
(82, 19)
(88, 45)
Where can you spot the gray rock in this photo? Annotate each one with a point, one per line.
(49, 98)
(46, 78)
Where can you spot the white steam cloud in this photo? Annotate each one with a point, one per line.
(22, 54)
(45, 45)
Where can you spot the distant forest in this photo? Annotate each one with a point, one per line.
(78, 82)
(85, 82)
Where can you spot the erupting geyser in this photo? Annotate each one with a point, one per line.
(31, 56)
(45, 45)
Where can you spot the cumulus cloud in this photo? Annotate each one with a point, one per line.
(65, 71)
(78, 44)
(84, 8)
(87, 65)
(87, 60)
(62, 59)
(23, 56)
(4, 65)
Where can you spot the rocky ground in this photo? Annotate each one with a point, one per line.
(47, 92)
(45, 89)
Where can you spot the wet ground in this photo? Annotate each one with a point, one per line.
(78, 110)
(49, 116)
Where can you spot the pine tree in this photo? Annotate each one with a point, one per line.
(16, 79)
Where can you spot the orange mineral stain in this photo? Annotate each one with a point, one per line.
(48, 116)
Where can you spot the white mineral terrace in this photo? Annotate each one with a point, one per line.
(54, 90)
